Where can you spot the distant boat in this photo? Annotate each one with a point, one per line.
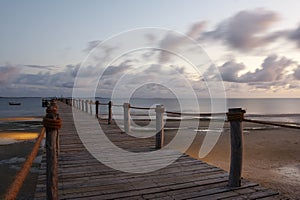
(14, 103)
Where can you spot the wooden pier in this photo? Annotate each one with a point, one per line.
(81, 176)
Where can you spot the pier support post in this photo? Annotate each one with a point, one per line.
(91, 110)
(126, 107)
(97, 109)
(52, 123)
(159, 126)
(109, 112)
(82, 105)
(86, 106)
(235, 116)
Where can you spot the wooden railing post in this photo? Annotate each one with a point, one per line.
(86, 106)
(159, 126)
(97, 109)
(235, 117)
(126, 107)
(52, 123)
(82, 105)
(109, 112)
(91, 110)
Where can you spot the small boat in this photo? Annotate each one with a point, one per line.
(14, 103)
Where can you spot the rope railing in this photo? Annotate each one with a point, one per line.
(272, 123)
(194, 114)
(117, 105)
(18, 182)
(141, 108)
(103, 104)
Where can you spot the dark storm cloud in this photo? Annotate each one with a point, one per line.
(243, 31)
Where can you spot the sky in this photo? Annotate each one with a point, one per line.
(252, 47)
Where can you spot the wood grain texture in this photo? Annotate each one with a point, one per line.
(81, 176)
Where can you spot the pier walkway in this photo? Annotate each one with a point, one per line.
(81, 176)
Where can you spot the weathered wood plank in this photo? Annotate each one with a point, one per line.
(81, 176)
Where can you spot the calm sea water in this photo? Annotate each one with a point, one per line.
(285, 110)
(273, 109)
(30, 107)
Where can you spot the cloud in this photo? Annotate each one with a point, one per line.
(196, 29)
(230, 70)
(91, 45)
(120, 69)
(274, 72)
(244, 30)
(294, 35)
(173, 41)
(272, 69)
(297, 73)
(8, 74)
(48, 67)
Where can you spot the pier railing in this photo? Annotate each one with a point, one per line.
(51, 124)
(235, 116)
(20, 177)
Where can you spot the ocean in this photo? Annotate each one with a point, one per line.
(275, 109)
(30, 107)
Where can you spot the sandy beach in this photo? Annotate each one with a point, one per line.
(16, 142)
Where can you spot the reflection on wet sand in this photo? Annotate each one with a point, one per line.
(19, 135)
(9, 119)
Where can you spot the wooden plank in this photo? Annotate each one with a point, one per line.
(81, 176)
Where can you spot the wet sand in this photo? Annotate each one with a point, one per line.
(16, 142)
